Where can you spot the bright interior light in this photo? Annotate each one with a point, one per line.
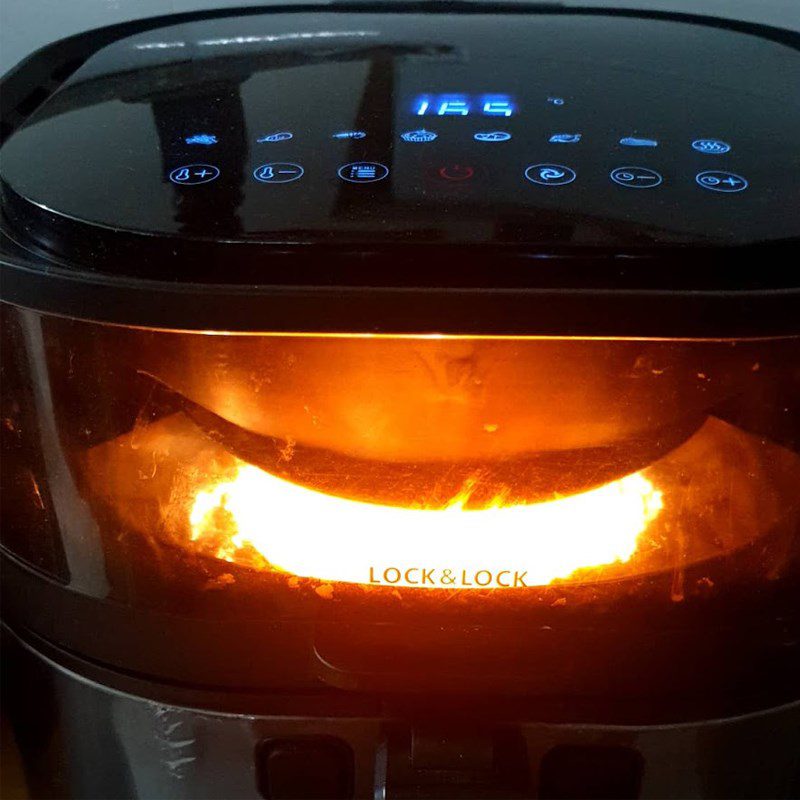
(311, 534)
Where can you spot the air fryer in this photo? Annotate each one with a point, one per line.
(414, 396)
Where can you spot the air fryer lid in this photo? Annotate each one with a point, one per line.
(549, 130)
(501, 173)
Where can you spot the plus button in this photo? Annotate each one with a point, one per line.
(192, 174)
(716, 180)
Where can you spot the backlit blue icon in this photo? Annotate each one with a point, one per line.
(555, 101)
(638, 141)
(281, 136)
(565, 138)
(550, 174)
(420, 135)
(718, 181)
(278, 172)
(201, 138)
(711, 146)
(363, 172)
(350, 135)
(192, 174)
(492, 136)
(636, 177)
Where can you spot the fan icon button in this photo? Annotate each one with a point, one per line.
(550, 174)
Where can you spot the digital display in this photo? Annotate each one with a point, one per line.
(464, 105)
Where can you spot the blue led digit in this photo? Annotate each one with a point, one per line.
(498, 106)
(453, 107)
(463, 105)
(421, 106)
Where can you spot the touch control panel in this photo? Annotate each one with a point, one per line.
(534, 129)
(636, 177)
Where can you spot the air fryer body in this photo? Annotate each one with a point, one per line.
(405, 404)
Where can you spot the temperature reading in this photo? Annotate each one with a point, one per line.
(463, 105)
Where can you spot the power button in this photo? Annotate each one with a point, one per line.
(456, 172)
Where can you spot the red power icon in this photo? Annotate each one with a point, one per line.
(456, 172)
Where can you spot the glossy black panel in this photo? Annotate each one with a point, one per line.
(605, 126)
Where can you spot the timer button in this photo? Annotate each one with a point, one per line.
(636, 177)
(719, 181)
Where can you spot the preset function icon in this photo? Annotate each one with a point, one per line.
(279, 136)
(492, 136)
(419, 136)
(202, 138)
(638, 141)
(713, 147)
(349, 135)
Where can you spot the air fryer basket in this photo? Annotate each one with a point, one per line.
(395, 511)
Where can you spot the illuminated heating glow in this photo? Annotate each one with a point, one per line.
(315, 535)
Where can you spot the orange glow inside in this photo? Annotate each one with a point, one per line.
(251, 516)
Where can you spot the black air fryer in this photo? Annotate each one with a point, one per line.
(404, 404)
